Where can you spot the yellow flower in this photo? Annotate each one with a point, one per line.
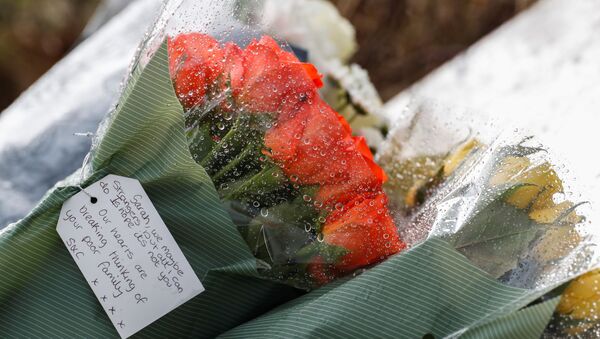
(549, 215)
(556, 243)
(509, 170)
(581, 299)
(429, 173)
(456, 158)
(412, 195)
(539, 184)
(410, 176)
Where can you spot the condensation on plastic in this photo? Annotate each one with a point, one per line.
(276, 229)
(426, 134)
(228, 20)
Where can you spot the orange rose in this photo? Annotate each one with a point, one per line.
(273, 77)
(195, 63)
(363, 227)
(315, 146)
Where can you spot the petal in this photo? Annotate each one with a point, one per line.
(365, 151)
(365, 228)
(313, 74)
(195, 62)
(233, 69)
(273, 77)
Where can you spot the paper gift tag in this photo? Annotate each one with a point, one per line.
(126, 253)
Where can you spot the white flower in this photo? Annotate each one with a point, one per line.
(314, 25)
(356, 82)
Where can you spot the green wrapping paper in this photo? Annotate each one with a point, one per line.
(42, 292)
(526, 323)
(430, 289)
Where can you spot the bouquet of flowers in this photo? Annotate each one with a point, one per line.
(305, 193)
(286, 217)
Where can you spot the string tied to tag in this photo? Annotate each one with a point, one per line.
(93, 199)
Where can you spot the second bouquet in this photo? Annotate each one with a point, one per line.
(305, 193)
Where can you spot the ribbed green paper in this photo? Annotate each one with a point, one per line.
(43, 294)
(528, 323)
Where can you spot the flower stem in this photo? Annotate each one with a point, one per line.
(270, 178)
(244, 163)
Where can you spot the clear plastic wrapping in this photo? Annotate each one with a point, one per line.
(307, 195)
(499, 197)
(216, 112)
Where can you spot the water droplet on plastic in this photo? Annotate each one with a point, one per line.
(264, 212)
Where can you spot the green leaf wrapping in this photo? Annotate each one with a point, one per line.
(430, 289)
(43, 294)
(528, 323)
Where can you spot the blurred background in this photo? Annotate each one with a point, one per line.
(419, 35)
(34, 34)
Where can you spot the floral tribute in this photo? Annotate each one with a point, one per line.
(304, 192)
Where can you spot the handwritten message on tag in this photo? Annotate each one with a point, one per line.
(126, 253)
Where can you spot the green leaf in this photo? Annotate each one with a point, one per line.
(497, 234)
(526, 323)
(259, 186)
(330, 254)
(248, 129)
(282, 230)
(200, 141)
(244, 164)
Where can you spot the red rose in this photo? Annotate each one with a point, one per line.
(195, 63)
(233, 67)
(361, 146)
(273, 77)
(311, 142)
(314, 145)
(304, 140)
(365, 228)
